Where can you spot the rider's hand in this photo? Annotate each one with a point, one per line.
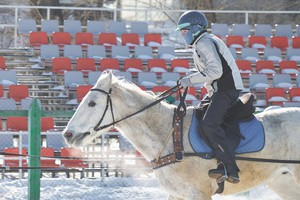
(185, 82)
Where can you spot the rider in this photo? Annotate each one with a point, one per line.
(216, 68)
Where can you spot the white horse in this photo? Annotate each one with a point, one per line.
(149, 130)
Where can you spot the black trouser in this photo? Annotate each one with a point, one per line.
(212, 129)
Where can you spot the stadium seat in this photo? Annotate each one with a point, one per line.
(152, 40)
(10, 159)
(298, 81)
(47, 124)
(180, 65)
(93, 77)
(275, 96)
(157, 89)
(107, 39)
(109, 63)
(7, 104)
(282, 81)
(130, 39)
(8, 77)
(157, 65)
(265, 67)
(73, 51)
(233, 52)
(288, 67)
(291, 104)
(235, 41)
(2, 63)
(170, 78)
(264, 30)
(250, 54)
(117, 27)
(6, 141)
(55, 141)
(1, 91)
(36, 39)
(84, 39)
(120, 52)
(241, 30)
(259, 42)
(143, 52)
(283, 30)
(147, 79)
(126, 75)
(60, 65)
(245, 67)
(294, 94)
(96, 51)
(72, 26)
(73, 78)
(72, 163)
(26, 103)
(25, 26)
(46, 153)
(139, 27)
(95, 27)
(49, 26)
(61, 39)
(258, 82)
(296, 42)
(18, 92)
(81, 91)
(220, 29)
(272, 54)
(293, 54)
(49, 51)
(17, 123)
(85, 65)
(280, 42)
(133, 65)
(166, 52)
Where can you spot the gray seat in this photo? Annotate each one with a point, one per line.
(170, 78)
(293, 54)
(26, 103)
(126, 75)
(139, 27)
(250, 54)
(166, 52)
(284, 30)
(263, 30)
(220, 29)
(72, 26)
(120, 52)
(258, 82)
(26, 26)
(73, 79)
(6, 140)
(7, 104)
(73, 51)
(282, 81)
(273, 54)
(49, 51)
(8, 77)
(241, 30)
(233, 52)
(117, 27)
(147, 79)
(95, 27)
(96, 51)
(291, 104)
(49, 26)
(55, 141)
(143, 52)
(93, 77)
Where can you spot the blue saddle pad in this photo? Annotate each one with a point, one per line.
(252, 130)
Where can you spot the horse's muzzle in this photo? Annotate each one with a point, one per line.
(68, 135)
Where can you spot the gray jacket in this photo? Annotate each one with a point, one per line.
(215, 64)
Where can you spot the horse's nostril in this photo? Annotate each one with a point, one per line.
(68, 134)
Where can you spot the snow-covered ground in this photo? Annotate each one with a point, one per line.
(144, 188)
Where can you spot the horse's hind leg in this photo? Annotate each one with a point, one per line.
(285, 186)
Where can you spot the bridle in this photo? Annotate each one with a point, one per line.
(109, 103)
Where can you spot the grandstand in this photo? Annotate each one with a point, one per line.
(59, 63)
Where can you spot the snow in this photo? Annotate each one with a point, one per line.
(111, 188)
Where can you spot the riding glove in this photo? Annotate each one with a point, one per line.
(185, 82)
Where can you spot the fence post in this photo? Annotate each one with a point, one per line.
(34, 126)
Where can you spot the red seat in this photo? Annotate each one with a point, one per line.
(133, 65)
(47, 123)
(81, 91)
(265, 67)
(245, 67)
(18, 92)
(107, 39)
(72, 163)
(47, 162)
(157, 65)
(159, 89)
(130, 39)
(2, 63)
(61, 39)
(60, 65)
(1, 91)
(38, 38)
(12, 160)
(280, 42)
(294, 94)
(259, 42)
(109, 63)
(152, 39)
(296, 42)
(181, 66)
(235, 41)
(275, 96)
(85, 65)
(203, 92)
(84, 39)
(288, 67)
(17, 123)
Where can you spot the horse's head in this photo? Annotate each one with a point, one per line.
(93, 112)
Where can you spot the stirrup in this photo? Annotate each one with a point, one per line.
(219, 174)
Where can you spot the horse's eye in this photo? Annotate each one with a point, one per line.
(92, 104)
